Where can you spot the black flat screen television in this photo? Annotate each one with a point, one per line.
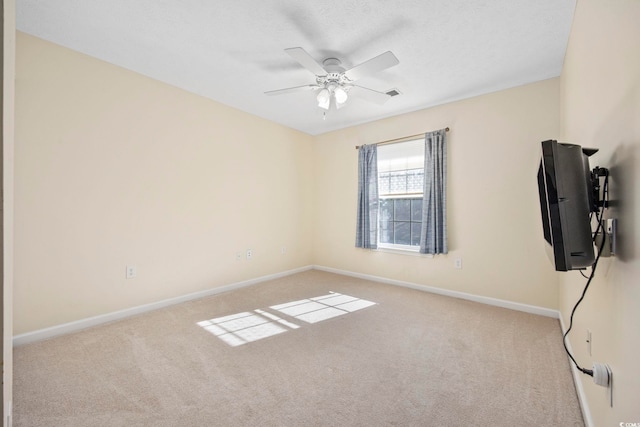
(566, 201)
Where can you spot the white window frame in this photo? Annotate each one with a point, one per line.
(394, 247)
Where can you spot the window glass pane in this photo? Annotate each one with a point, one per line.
(383, 183)
(416, 210)
(402, 233)
(401, 174)
(415, 233)
(386, 210)
(415, 179)
(398, 184)
(407, 151)
(403, 210)
(386, 232)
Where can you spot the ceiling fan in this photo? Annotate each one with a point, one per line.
(334, 84)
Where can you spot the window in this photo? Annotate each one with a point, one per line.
(400, 191)
(389, 180)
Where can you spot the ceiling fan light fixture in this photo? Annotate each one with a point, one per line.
(333, 83)
(324, 99)
(341, 95)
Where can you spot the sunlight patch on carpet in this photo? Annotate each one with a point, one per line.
(245, 327)
(321, 308)
(241, 328)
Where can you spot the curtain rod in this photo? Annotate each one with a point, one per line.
(391, 141)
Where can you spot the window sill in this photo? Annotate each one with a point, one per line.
(401, 251)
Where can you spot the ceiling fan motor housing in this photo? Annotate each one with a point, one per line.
(333, 65)
(335, 74)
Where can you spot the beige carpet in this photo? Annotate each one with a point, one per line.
(410, 359)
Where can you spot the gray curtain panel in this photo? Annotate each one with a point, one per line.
(433, 239)
(367, 223)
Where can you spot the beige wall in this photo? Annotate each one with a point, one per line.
(601, 108)
(493, 208)
(113, 168)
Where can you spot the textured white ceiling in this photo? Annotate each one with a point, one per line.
(232, 51)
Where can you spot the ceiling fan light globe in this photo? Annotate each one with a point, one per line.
(323, 95)
(324, 99)
(324, 105)
(341, 95)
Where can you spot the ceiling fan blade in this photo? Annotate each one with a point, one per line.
(369, 94)
(379, 63)
(292, 90)
(301, 55)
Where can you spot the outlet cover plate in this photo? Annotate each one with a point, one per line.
(131, 272)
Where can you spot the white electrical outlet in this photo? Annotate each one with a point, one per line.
(131, 272)
(457, 263)
(249, 254)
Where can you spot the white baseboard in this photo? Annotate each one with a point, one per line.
(455, 294)
(78, 325)
(577, 375)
